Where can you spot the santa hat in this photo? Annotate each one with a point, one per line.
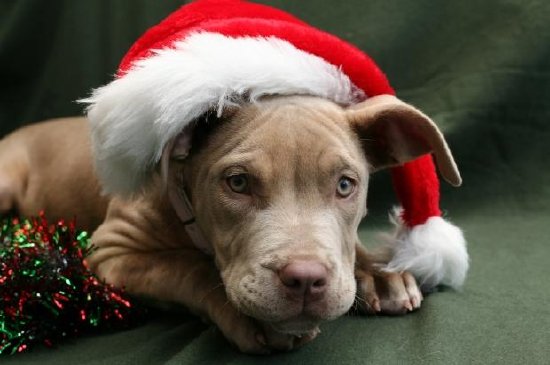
(213, 52)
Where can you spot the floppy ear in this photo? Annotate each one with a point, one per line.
(393, 132)
(175, 152)
(179, 147)
(176, 149)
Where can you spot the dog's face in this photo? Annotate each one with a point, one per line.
(279, 189)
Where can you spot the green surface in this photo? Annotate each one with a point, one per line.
(481, 69)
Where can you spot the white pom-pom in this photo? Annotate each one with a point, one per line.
(434, 252)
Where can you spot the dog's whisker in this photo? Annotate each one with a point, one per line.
(220, 284)
(359, 299)
(226, 303)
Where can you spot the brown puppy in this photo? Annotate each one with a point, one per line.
(278, 188)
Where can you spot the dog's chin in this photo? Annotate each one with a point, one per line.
(294, 319)
(298, 326)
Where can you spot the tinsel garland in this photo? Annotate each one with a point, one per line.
(46, 291)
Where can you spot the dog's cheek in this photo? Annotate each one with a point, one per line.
(251, 286)
(347, 295)
(343, 235)
(228, 283)
(354, 209)
(350, 217)
(246, 290)
(222, 224)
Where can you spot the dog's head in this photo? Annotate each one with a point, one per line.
(279, 188)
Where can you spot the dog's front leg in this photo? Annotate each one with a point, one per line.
(379, 291)
(186, 277)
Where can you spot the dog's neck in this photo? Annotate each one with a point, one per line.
(178, 150)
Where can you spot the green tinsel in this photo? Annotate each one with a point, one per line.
(46, 291)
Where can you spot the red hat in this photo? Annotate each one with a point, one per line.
(213, 52)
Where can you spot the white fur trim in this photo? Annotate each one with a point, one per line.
(434, 252)
(133, 117)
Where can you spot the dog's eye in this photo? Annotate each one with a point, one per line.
(238, 183)
(345, 187)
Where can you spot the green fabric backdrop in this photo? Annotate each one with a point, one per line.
(481, 69)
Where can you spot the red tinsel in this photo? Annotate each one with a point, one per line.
(46, 291)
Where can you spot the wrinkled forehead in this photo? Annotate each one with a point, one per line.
(297, 135)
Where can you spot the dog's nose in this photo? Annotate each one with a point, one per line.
(304, 279)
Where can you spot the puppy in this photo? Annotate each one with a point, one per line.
(278, 188)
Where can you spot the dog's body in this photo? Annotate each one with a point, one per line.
(48, 166)
(278, 188)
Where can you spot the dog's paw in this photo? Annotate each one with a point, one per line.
(386, 292)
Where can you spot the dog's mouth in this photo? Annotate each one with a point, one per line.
(292, 317)
(289, 309)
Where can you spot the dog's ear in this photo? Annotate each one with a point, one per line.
(193, 135)
(176, 149)
(393, 132)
